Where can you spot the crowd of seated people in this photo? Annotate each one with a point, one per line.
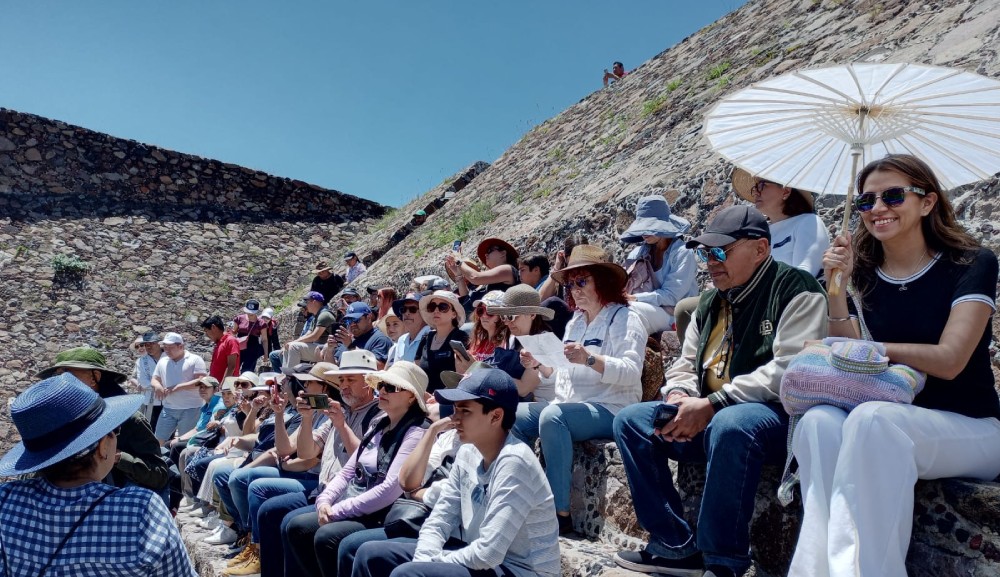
(400, 436)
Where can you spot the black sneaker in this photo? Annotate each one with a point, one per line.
(644, 562)
(565, 524)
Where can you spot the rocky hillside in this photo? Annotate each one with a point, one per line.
(582, 171)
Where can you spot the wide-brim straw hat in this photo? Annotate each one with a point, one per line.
(521, 299)
(318, 373)
(653, 218)
(447, 296)
(321, 266)
(743, 183)
(487, 243)
(88, 358)
(58, 418)
(450, 379)
(406, 376)
(593, 257)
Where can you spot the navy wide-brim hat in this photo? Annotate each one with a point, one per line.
(58, 418)
(653, 218)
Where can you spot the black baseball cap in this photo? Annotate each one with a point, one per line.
(732, 224)
(413, 297)
(483, 384)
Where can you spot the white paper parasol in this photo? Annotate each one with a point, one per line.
(810, 129)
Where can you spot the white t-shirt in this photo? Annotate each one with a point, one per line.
(172, 373)
(800, 241)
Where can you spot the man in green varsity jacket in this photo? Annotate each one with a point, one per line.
(725, 387)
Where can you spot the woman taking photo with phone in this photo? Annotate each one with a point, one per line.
(926, 291)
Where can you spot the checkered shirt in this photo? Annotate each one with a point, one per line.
(130, 533)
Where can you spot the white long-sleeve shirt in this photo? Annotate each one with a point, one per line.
(505, 513)
(800, 242)
(621, 338)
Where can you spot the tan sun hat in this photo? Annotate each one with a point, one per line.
(593, 257)
(406, 376)
(447, 296)
(743, 183)
(521, 299)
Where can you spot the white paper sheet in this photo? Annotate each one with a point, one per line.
(546, 348)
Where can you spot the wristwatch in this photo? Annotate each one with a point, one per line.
(591, 360)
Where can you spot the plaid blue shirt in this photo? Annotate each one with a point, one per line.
(130, 533)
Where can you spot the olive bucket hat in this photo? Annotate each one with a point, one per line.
(88, 358)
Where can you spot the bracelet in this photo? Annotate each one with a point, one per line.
(838, 319)
(535, 368)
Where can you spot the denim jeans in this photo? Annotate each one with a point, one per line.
(221, 482)
(349, 547)
(273, 519)
(559, 426)
(738, 441)
(379, 559)
(275, 358)
(262, 489)
(180, 420)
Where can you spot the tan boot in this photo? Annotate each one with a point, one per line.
(241, 558)
(250, 567)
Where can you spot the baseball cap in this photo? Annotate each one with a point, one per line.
(413, 297)
(483, 384)
(315, 296)
(732, 224)
(350, 292)
(349, 255)
(357, 310)
(172, 339)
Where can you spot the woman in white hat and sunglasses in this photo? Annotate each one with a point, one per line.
(65, 521)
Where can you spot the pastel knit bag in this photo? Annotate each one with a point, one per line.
(842, 373)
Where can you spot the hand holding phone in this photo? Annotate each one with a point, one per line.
(664, 413)
(456, 247)
(317, 401)
(460, 350)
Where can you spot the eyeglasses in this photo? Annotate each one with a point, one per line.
(443, 307)
(384, 387)
(890, 197)
(508, 318)
(243, 384)
(578, 282)
(482, 312)
(758, 186)
(715, 252)
(411, 309)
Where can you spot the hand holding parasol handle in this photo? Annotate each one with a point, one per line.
(837, 275)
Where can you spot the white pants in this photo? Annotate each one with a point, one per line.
(858, 471)
(207, 489)
(655, 319)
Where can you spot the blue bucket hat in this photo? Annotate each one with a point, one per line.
(58, 418)
(653, 218)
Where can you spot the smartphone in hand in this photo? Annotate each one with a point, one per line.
(460, 350)
(664, 413)
(317, 401)
(456, 247)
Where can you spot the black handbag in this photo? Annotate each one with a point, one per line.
(208, 439)
(405, 517)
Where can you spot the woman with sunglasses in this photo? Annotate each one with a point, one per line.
(444, 314)
(927, 292)
(65, 520)
(521, 311)
(604, 344)
(359, 497)
(501, 273)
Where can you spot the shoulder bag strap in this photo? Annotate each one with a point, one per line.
(865, 333)
(74, 528)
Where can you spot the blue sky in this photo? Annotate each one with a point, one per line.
(381, 99)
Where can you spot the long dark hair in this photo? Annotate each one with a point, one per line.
(940, 228)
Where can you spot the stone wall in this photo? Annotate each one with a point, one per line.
(49, 168)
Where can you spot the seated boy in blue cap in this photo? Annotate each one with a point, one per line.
(496, 497)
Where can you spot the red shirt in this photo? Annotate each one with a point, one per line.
(227, 345)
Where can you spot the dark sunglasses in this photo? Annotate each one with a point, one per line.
(243, 384)
(443, 307)
(117, 431)
(384, 387)
(715, 252)
(758, 186)
(890, 197)
(578, 282)
(411, 309)
(482, 312)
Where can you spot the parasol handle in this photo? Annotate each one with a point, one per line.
(837, 275)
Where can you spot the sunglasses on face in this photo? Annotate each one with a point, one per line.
(890, 197)
(412, 309)
(443, 307)
(715, 252)
(494, 249)
(243, 384)
(384, 387)
(508, 318)
(578, 282)
(482, 312)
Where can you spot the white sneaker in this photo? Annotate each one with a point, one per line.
(187, 502)
(223, 536)
(202, 511)
(213, 533)
(210, 522)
